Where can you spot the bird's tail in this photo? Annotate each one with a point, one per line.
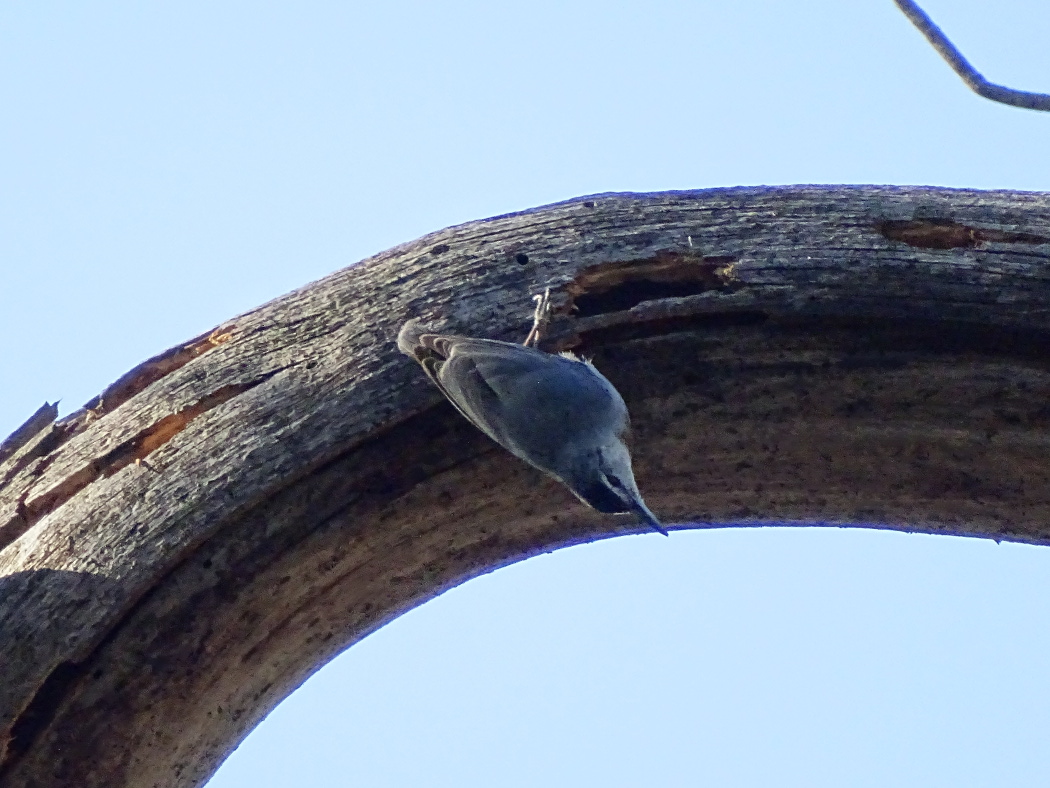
(408, 337)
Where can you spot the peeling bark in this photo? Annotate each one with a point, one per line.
(184, 551)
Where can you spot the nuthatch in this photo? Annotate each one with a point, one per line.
(558, 413)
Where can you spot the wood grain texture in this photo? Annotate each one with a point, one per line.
(233, 513)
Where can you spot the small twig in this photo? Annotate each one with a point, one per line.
(977, 83)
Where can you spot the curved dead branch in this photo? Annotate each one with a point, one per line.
(229, 515)
(961, 66)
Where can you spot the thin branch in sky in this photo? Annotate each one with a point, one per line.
(962, 67)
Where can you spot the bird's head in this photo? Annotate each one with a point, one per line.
(602, 477)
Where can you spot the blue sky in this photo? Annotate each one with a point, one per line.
(166, 166)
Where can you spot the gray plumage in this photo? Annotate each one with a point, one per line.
(556, 412)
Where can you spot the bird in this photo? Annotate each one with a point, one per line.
(556, 412)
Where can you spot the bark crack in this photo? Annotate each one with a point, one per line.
(134, 450)
(26, 443)
(149, 372)
(948, 234)
(617, 287)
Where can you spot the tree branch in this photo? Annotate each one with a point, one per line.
(977, 83)
(233, 513)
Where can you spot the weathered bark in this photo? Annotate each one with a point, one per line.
(233, 513)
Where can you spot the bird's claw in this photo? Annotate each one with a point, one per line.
(541, 318)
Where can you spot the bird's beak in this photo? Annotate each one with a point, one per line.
(649, 518)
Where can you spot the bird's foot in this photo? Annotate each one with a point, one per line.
(541, 318)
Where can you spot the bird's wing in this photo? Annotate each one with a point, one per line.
(502, 388)
(490, 383)
(518, 395)
(463, 385)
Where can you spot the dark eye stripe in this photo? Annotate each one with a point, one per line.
(603, 497)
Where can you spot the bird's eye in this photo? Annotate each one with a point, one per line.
(615, 482)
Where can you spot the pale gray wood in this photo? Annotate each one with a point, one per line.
(874, 356)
